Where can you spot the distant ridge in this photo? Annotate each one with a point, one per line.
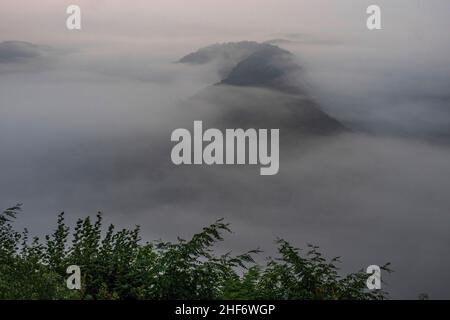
(260, 88)
(250, 63)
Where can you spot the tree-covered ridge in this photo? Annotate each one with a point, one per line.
(116, 264)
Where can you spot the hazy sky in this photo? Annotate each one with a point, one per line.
(142, 20)
(86, 116)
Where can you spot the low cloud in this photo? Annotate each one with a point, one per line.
(93, 133)
(381, 86)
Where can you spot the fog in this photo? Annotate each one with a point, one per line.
(85, 123)
(399, 88)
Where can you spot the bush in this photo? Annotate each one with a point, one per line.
(118, 265)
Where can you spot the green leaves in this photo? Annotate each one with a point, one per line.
(117, 265)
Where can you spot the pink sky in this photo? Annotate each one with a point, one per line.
(44, 19)
(201, 22)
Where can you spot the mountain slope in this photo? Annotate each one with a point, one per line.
(261, 91)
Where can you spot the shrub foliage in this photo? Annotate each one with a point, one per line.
(117, 264)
